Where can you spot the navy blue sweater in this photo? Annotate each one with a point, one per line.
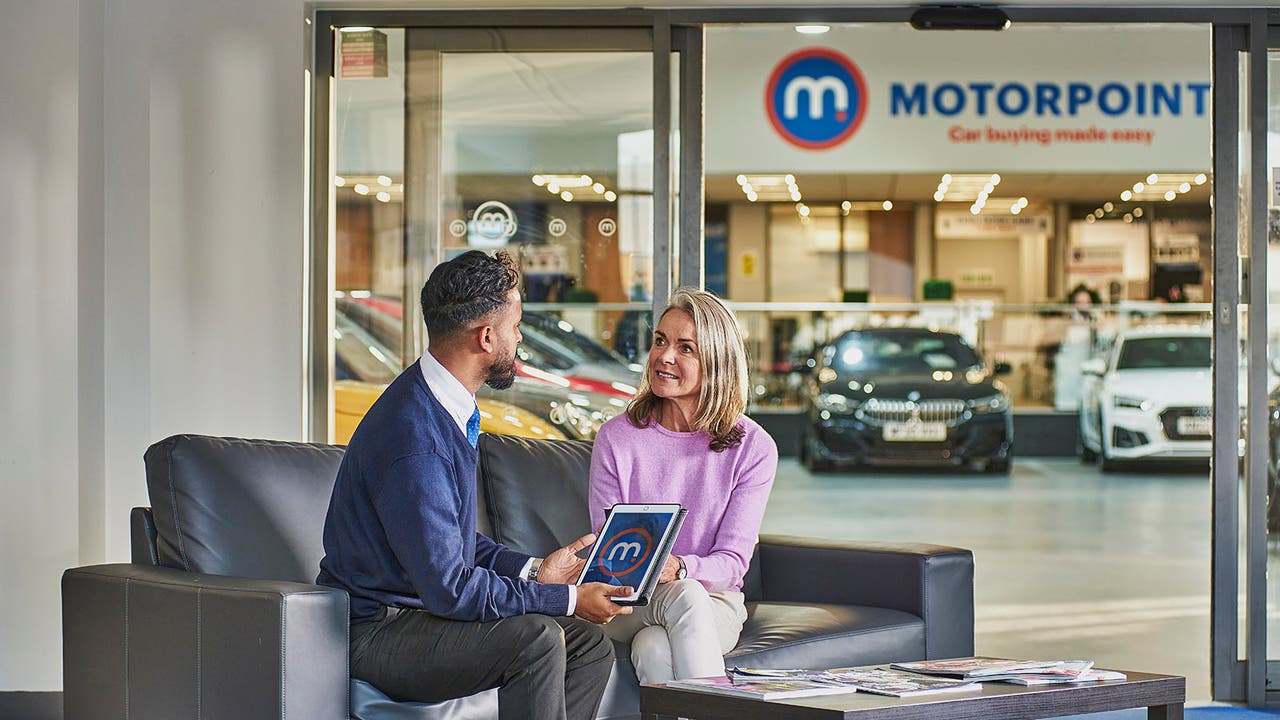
(401, 527)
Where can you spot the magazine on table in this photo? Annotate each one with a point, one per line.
(762, 688)
(897, 683)
(1090, 675)
(979, 668)
(880, 681)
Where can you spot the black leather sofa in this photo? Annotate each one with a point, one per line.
(217, 616)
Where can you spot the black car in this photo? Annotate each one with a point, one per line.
(905, 396)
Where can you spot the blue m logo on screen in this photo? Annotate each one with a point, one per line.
(816, 98)
(625, 552)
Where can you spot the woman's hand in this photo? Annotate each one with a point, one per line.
(563, 566)
(669, 570)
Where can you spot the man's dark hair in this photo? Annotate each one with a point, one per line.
(465, 289)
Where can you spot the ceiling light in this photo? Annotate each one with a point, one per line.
(742, 179)
(888, 205)
(1022, 202)
(1137, 212)
(1139, 187)
(946, 179)
(1128, 217)
(1184, 187)
(362, 188)
(598, 188)
(937, 197)
(610, 195)
(1108, 206)
(1098, 213)
(566, 196)
(339, 181)
(1089, 218)
(812, 29)
(1152, 179)
(1200, 179)
(384, 196)
(539, 180)
(553, 188)
(1015, 209)
(1126, 195)
(384, 181)
(846, 206)
(355, 28)
(1170, 195)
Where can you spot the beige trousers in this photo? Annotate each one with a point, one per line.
(683, 632)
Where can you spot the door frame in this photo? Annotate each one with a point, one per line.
(1240, 40)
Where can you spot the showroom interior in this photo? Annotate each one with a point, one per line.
(220, 218)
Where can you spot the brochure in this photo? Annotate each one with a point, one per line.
(762, 688)
(1086, 676)
(897, 683)
(979, 668)
(877, 680)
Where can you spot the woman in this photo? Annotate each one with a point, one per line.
(685, 439)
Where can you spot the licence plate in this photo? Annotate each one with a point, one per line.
(915, 432)
(1195, 425)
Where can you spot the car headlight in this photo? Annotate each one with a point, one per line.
(836, 403)
(990, 404)
(1130, 403)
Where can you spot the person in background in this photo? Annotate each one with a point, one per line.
(685, 439)
(438, 610)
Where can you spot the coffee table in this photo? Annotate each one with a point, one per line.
(1162, 695)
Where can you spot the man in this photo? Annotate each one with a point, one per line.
(438, 610)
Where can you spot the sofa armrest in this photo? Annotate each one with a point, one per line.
(156, 642)
(933, 582)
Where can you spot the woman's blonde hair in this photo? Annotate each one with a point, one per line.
(722, 398)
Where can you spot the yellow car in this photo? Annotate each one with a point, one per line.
(352, 399)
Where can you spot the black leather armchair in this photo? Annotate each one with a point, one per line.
(217, 614)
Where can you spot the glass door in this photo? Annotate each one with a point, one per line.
(536, 142)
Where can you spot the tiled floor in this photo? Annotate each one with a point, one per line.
(1070, 563)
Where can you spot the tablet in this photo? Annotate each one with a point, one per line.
(632, 547)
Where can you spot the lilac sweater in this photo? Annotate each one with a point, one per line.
(725, 492)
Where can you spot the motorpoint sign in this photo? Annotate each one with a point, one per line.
(816, 98)
(879, 98)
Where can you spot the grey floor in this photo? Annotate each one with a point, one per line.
(1069, 563)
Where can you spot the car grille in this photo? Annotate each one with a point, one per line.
(1169, 419)
(880, 412)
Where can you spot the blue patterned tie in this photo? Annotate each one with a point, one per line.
(473, 428)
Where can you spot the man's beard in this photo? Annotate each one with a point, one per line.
(502, 374)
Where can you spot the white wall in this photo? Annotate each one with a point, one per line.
(38, 323)
(152, 283)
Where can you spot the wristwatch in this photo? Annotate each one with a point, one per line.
(682, 573)
(533, 570)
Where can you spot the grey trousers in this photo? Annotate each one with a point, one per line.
(545, 668)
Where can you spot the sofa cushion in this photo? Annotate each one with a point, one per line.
(802, 635)
(249, 508)
(533, 493)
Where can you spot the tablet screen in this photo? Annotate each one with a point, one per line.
(629, 545)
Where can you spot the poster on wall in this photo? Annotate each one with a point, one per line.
(887, 98)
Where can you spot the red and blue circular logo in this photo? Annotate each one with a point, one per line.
(625, 552)
(816, 98)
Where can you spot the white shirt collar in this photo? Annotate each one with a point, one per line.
(450, 391)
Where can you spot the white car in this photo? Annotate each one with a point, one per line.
(1151, 396)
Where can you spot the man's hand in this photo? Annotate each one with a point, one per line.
(563, 566)
(595, 602)
(669, 570)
